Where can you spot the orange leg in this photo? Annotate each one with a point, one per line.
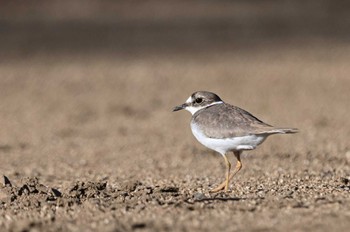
(224, 185)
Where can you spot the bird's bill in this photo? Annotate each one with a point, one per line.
(180, 107)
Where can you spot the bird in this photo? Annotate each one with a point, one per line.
(226, 128)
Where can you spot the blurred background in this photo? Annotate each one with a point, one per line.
(143, 28)
(89, 84)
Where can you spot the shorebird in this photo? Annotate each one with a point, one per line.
(226, 128)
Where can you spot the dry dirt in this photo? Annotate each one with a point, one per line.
(89, 143)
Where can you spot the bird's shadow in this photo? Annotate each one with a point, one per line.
(194, 200)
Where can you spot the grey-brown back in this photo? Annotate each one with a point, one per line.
(227, 121)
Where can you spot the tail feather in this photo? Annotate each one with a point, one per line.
(281, 131)
(288, 130)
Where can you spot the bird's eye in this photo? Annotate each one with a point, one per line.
(199, 100)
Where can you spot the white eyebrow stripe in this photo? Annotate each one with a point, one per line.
(189, 100)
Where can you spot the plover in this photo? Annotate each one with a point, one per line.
(226, 128)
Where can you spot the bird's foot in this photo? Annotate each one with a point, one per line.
(220, 188)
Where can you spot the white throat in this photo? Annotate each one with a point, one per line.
(194, 109)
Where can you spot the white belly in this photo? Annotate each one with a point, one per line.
(222, 146)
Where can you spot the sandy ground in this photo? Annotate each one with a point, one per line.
(89, 143)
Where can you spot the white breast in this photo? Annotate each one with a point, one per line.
(222, 146)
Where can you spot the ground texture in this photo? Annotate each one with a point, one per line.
(89, 143)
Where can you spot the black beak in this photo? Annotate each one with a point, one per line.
(181, 107)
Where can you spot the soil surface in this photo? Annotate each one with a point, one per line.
(90, 143)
